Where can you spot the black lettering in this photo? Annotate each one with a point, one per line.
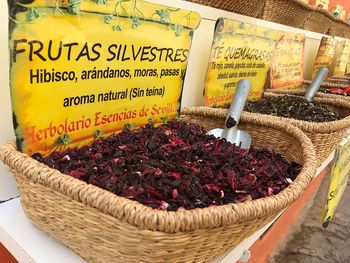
(49, 53)
(145, 53)
(110, 50)
(15, 48)
(135, 55)
(37, 51)
(84, 52)
(70, 45)
(169, 53)
(96, 52)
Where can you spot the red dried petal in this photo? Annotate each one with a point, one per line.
(212, 188)
(77, 173)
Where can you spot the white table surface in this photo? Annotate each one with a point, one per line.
(27, 243)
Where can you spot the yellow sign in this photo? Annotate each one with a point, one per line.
(325, 54)
(338, 181)
(287, 64)
(347, 71)
(240, 50)
(341, 58)
(82, 69)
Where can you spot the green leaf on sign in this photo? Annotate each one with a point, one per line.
(128, 126)
(100, 2)
(32, 14)
(164, 15)
(63, 140)
(164, 119)
(73, 7)
(117, 28)
(151, 120)
(97, 134)
(178, 29)
(135, 22)
(108, 19)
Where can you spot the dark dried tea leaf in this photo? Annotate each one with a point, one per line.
(293, 107)
(230, 122)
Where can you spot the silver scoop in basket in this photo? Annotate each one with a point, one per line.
(232, 134)
(316, 83)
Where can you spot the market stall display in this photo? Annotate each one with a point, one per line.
(78, 213)
(120, 171)
(295, 13)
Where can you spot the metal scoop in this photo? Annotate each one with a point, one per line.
(316, 83)
(233, 135)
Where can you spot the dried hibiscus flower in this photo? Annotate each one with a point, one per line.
(175, 166)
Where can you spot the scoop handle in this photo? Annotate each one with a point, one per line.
(240, 97)
(316, 83)
(237, 105)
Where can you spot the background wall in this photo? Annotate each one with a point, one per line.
(6, 131)
(344, 3)
(199, 55)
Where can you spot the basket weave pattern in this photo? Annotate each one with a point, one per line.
(302, 92)
(325, 136)
(252, 8)
(103, 227)
(291, 12)
(338, 27)
(318, 20)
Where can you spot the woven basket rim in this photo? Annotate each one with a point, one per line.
(168, 221)
(339, 20)
(316, 127)
(324, 12)
(302, 4)
(327, 84)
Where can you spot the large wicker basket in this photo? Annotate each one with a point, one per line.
(252, 8)
(318, 20)
(288, 12)
(338, 28)
(102, 227)
(302, 92)
(325, 136)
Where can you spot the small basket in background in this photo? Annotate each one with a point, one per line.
(318, 20)
(325, 136)
(338, 27)
(288, 12)
(251, 8)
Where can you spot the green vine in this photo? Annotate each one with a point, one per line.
(97, 134)
(164, 18)
(178, 29)
(151, 120)
(188, 17)
(136, 10)
(32, 14)
(119, 3)
(73, 7)
(128, 126)
(164, 119)
(63, 140)
(108, 19)
(135, 22)
(57, 9)
(100, 2)
(164, 15)
(117, 28)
